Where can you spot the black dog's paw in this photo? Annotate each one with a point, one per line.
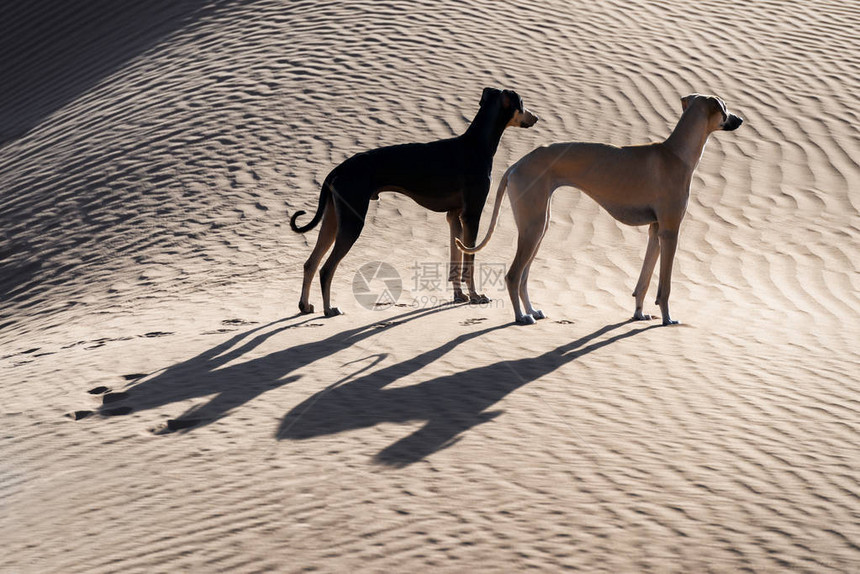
(306, 308)
(640, 316)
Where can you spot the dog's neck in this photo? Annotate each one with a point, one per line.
(688, 139)
(486, 129)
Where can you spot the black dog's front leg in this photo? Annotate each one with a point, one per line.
(456, 265)
(470, 221)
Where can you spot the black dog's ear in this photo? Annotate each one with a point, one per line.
(486, 95)
(686, 101)
(511, 99)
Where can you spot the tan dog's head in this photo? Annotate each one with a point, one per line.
(719, 117)
(511, 106)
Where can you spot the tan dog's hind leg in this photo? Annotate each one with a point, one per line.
(537, 314)
(514, 279)
(668, 245)
(531, 213)
(651, 254)
(456, 268)
(327, 233)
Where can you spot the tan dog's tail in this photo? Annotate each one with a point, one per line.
(503, 184)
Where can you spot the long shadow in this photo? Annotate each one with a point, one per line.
(235, 385)
(451, 404)
(52, 51)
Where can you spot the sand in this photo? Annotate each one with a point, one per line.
(164, 408)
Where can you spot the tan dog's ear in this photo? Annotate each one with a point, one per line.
(506, 100)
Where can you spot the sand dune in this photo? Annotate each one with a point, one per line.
(164, 408)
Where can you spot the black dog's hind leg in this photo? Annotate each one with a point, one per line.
(350, 219)
(326, 236)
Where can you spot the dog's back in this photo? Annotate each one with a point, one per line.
(423, 171)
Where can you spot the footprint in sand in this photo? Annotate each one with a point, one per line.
(111, 398)
(237, 322)
(177, 424)
(108, 397)
(385, 324)
(119, 411)
(174, 425)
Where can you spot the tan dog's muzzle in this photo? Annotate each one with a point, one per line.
(732, 123)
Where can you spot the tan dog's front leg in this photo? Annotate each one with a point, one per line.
(651, 254)
(668, 245)
(537, 314)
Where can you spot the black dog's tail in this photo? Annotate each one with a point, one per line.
(325, 195)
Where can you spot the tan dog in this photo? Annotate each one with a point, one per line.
(637, 185)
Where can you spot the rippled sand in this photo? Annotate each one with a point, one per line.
(164, 408)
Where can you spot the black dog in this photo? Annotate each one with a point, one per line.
(451, 175)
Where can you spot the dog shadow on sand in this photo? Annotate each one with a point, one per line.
(233, 385)
(450, 404)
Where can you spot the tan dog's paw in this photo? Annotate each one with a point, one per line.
(333, 312)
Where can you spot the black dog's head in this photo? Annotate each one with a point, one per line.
(510, 106)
